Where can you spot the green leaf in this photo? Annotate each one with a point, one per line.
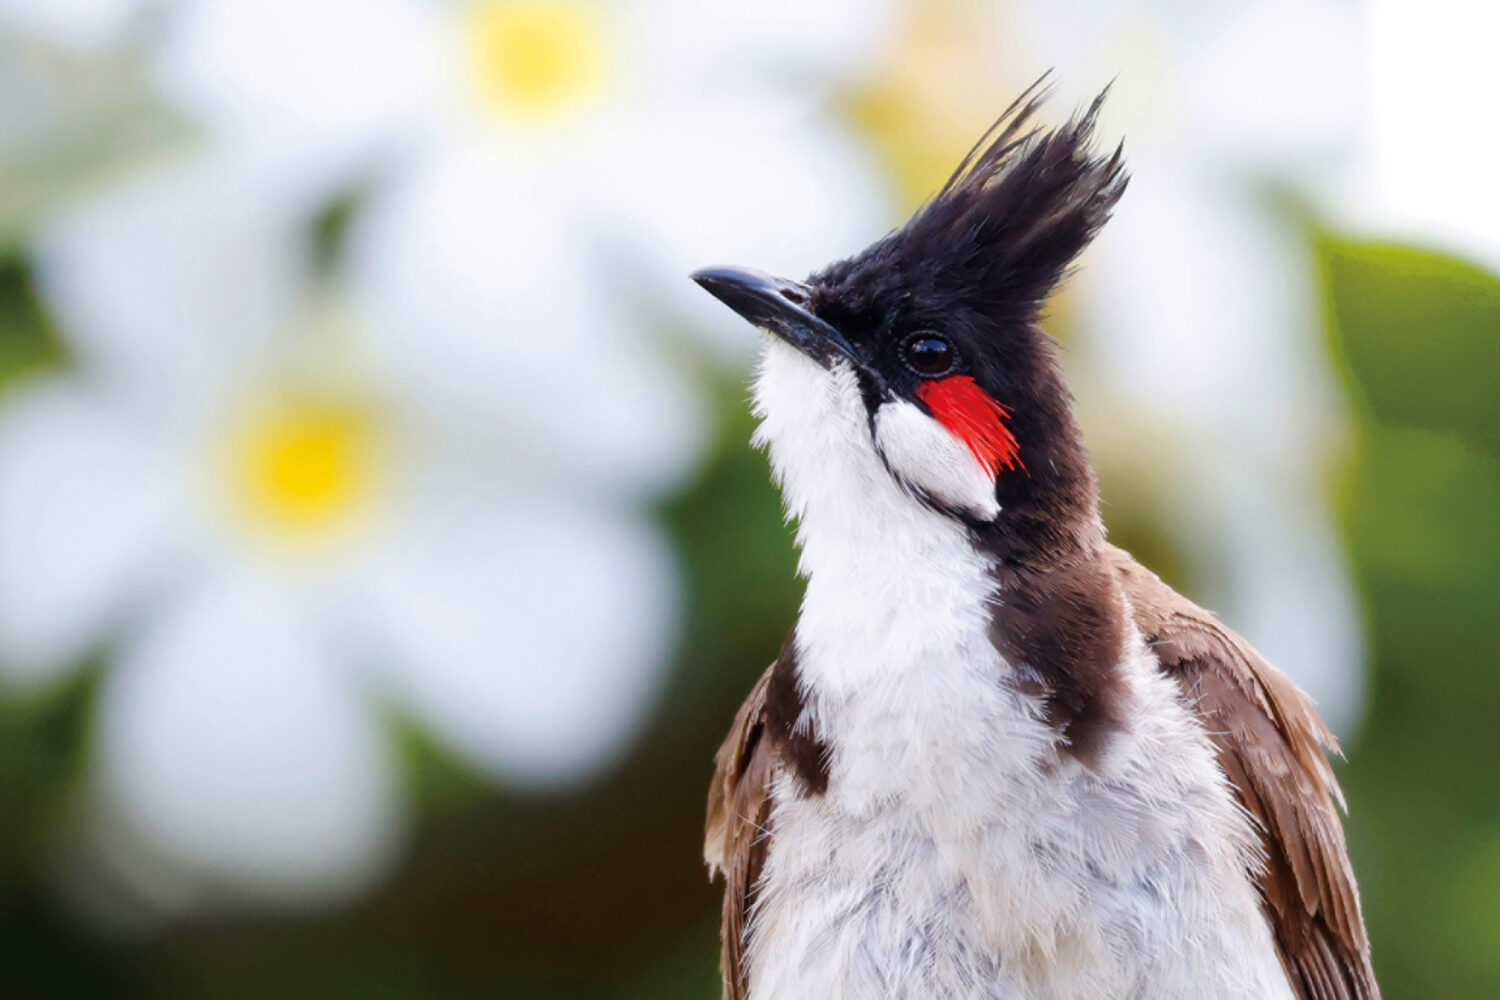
(1418, 333)
(1418, 337)
(26, 340)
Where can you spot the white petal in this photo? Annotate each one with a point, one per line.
(232, 747)
(169, 282)
(533, 638)
(1248, 85)
(751, 47)
(1201, 307)
(318, 83)
(491, 308)
(727, 185)
(88, 25)
(1261, 94)
(85, 512)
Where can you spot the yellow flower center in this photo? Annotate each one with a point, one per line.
(538, 61)
(303, 470)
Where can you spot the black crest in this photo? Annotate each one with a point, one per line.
(1003, 230)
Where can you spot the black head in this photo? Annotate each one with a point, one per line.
(943, 314)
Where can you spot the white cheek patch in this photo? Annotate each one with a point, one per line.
(925, 455)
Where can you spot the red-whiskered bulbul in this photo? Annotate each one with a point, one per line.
(997, 758)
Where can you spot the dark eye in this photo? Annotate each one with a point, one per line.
(928, 354)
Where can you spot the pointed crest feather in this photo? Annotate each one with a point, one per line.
(1003, 231)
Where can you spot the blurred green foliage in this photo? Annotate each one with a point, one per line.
(1417, 336)
(26, 342)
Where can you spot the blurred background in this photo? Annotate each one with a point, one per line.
(381, 553)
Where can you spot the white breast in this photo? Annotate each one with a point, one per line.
(957, 853)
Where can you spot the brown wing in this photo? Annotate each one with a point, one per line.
(1271, 744)
(737, 835)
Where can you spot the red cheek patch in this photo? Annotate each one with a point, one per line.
(972, 415)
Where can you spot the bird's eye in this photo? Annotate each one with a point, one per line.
(929, 355)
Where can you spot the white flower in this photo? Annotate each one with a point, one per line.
(644, 137)
(235, 500)
(278, 509)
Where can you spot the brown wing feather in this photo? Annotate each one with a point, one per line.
(1271, 746)
(737, 835)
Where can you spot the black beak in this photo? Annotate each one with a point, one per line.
(778, 306)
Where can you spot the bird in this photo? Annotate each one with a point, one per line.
(997, 757)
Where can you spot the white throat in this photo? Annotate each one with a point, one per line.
(896, 609)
